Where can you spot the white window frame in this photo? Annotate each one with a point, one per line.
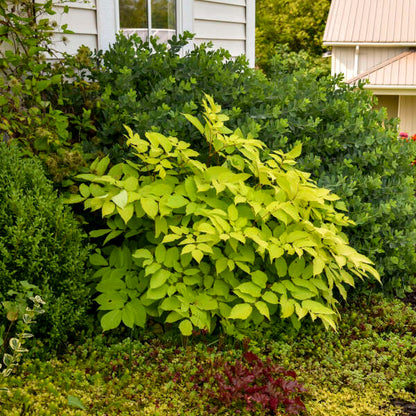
(108, 20)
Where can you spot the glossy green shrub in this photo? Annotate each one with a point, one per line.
(41, 243)
(345, 146)
(237, 242)
(354, 151)
(148, 87)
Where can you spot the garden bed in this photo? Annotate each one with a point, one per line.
(366, 368)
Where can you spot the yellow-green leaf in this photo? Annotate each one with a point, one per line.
(241, 311)
(185, 327)
(263, 309)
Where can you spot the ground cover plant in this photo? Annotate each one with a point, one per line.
(41, 245)
(354, 372)
(237, 242)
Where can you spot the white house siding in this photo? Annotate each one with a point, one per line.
(229, 24)
(407, 114)
(370, 57)
(343, 61)
(82, 20)
(222, 22)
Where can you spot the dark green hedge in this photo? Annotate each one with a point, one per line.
(42, 243)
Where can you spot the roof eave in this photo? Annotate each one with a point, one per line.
(392, 89)
(374, 44)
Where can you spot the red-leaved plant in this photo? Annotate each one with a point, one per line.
(252, 384)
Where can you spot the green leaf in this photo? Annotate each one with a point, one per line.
(263, 309)
(295, 152)
(126, 213)
(112, 235)
(131, 184)
(177, 201)
(275, 251)
(84, 190)
(159, 278)
(121, 198)
(250, 288)
(241, 311)
(74, 199)
(127, 315)
(287, 307)
(197, 255)
(221, 288)
(99, 233)
(221, 264)
(186, 328)
(143, 253)
(302, 293)
(160, 253)
(279, 288)
(139, 312)
(150, 207)
(296, 267)
(161, 226)
(317, 308)
(102, 165)
(158, 293)
(171, 303)
(75, 402)
(259, 278)
(206, 302)
(192, 119)
(98, 260)
(110, 301)
(281, 267)
(42, 85)
(7, 359)
(232, 213)
(110, 284)
(270, 297)
(318, 266)
(111, 320)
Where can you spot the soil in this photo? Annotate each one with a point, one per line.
(411, 299)
(408, 408)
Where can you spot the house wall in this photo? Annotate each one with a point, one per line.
(229, 24)
(224, 23)
(407, 114)
(343, 59)
(82, 20)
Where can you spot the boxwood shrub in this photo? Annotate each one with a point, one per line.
(41, 243)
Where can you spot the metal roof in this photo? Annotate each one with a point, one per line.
(371, 21)
(395, 72)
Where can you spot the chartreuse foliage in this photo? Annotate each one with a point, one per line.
(247, 239)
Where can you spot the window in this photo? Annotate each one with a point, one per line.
(148, 17)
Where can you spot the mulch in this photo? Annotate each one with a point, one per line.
(408, 408)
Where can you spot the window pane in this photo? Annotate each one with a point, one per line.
(163, 14)
(133, 14)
